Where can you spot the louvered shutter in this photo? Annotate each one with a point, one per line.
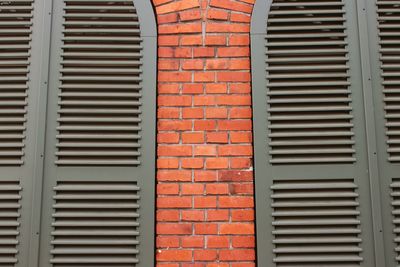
(21, 88)
(310, 141)
(98, 202)
(384, 43)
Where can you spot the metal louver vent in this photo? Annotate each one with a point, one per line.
(389, 34)
(396, 215)
(309, 99)
(15, 39)
(315, 223)
(9, 222)
(99, 101)
(95, 224)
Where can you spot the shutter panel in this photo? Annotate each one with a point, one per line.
(21, 82)
(384, 40)
(310, 152)
(389, 29)
(309, 101)
(15, 50)
(106, 232)
(98, 204)
(100, 90)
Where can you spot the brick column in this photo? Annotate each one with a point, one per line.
(205, 205)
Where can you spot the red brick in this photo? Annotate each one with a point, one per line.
(235, 176)
(167, 163)
(204, 100)
(188, 15)
(168, 40)
(204, 76)
(169, 175)
(192, 88)
(177, 6)
(234, 100)
(232, 51)
(192, 163)
(204, 52)
(216, 64)
(216, 88)
(241, 137)
(217, 189)
(174, 228)
(167, 242)
(205, 202)
(174, 150)
(192, 113)
(168, 215)
(193, 215)
(235, 150)
(174, 255)
(168, 100)
(193, 64)
(215, 39)
(192, 189)
(168, 189)
(168, 113)
(216, 113)
(171, 76)
(176, 125)
(233, 76)
(217, 242)
(190, 40)
(239, 39)
(217, 14)
(217, 137)
(205, 150)
(205, 176)
(205, 125)
(205, 255)
(217, 215)
(205, 228)
(192, 241)
(217, 163)
(232, 5)
(237, 255)
(236, 202)
(193, 138)
(242, 215)
(237, 229)
(168, 138)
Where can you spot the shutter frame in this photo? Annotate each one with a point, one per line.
(265, 173)
(143, 175)
(388, 171)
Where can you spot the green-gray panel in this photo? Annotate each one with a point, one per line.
(313, 194)
(384, 43)
(22, 87)
(98, 194)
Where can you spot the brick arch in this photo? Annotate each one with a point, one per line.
(205, 205)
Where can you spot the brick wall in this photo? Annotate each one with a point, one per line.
(205, 205)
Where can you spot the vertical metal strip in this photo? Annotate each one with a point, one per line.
(44, 20)
(373, 171)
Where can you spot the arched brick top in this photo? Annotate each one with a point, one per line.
(205, 210)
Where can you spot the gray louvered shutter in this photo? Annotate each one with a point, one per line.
(310, 143)
(21, 33)
(98, 202)
(384, 42)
